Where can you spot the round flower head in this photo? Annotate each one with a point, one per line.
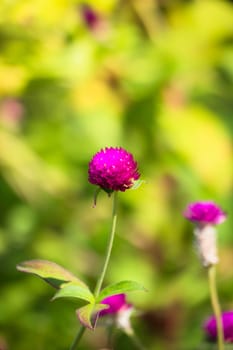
(119, 310)
(210, 327)
(117, 303)
(205, 213)
(113, 169)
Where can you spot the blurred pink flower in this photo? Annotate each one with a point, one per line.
(117, 303)
(95, 22)
(210, 327)
(119, 311)
(90, 16)
(11, 110)
(205, 213)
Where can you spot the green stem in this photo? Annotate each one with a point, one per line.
(77, 338)
(109, 247)
(135, 340)
(106, 262)
(110, 335)
(216, 305)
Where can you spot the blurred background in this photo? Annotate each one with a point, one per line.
(152, 76)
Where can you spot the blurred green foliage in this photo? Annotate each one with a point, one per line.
(154, 77)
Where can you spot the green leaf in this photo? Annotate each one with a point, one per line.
(49, 271)
(120, 287)
(84, 315)
(88, 314)
(72, 290)
(137, 184)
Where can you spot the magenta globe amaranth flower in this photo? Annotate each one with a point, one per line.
(117, 303)
(210, 327)
(205, 213)
(119, 311)
(113, 169)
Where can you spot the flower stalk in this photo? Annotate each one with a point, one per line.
(137, 343)
(77, 338)
(109, 247)
(216, 305)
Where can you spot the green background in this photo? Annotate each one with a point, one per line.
(154, 77)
